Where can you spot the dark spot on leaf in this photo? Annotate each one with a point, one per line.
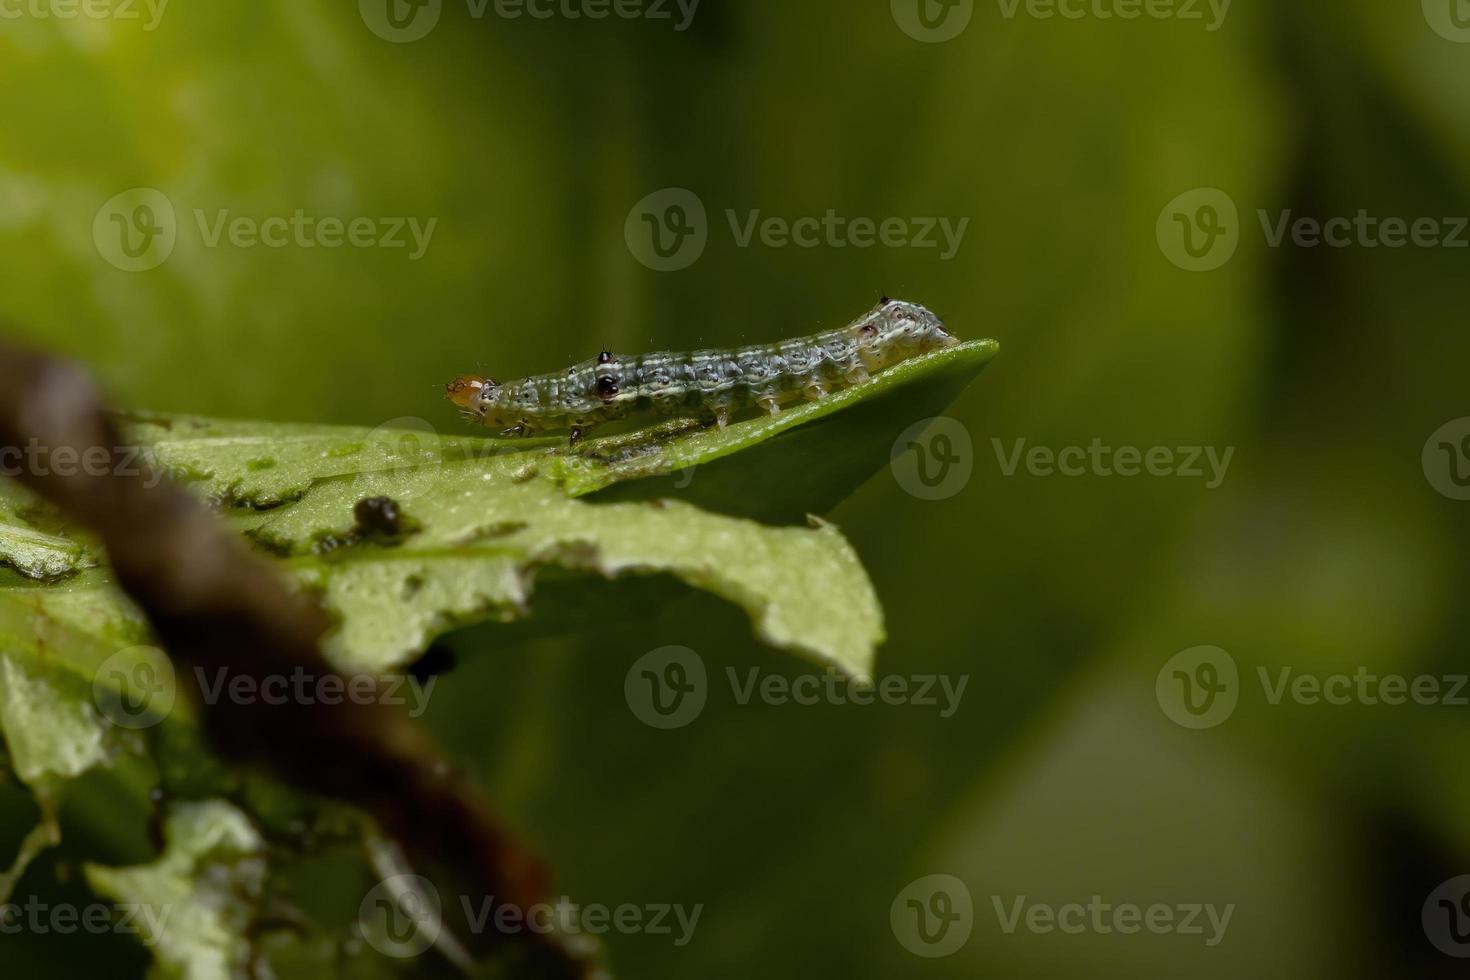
(379, 515)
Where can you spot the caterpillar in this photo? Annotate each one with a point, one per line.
(712, 384)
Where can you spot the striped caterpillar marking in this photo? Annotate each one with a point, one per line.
(710, 384)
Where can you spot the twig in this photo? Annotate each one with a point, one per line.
(213, 604)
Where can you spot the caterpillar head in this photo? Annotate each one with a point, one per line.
(473, 395)
(906, 327)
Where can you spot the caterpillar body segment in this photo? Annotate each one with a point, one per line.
(713, 385)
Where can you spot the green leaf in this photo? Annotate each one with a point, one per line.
(803, 461)
(262, 464)
(26, 547)
(485, 527)
(474, 527)
(195, 904)
(483, 516)
(48, 729)
(48, 725)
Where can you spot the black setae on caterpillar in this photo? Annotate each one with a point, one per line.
(711, 384)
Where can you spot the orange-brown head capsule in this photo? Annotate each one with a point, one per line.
(465, 392)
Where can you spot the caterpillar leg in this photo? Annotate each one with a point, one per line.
(522, 431)
(858, 375)
(814, 392)
(770, 403)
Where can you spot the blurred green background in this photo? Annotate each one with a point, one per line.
(1327, 548)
